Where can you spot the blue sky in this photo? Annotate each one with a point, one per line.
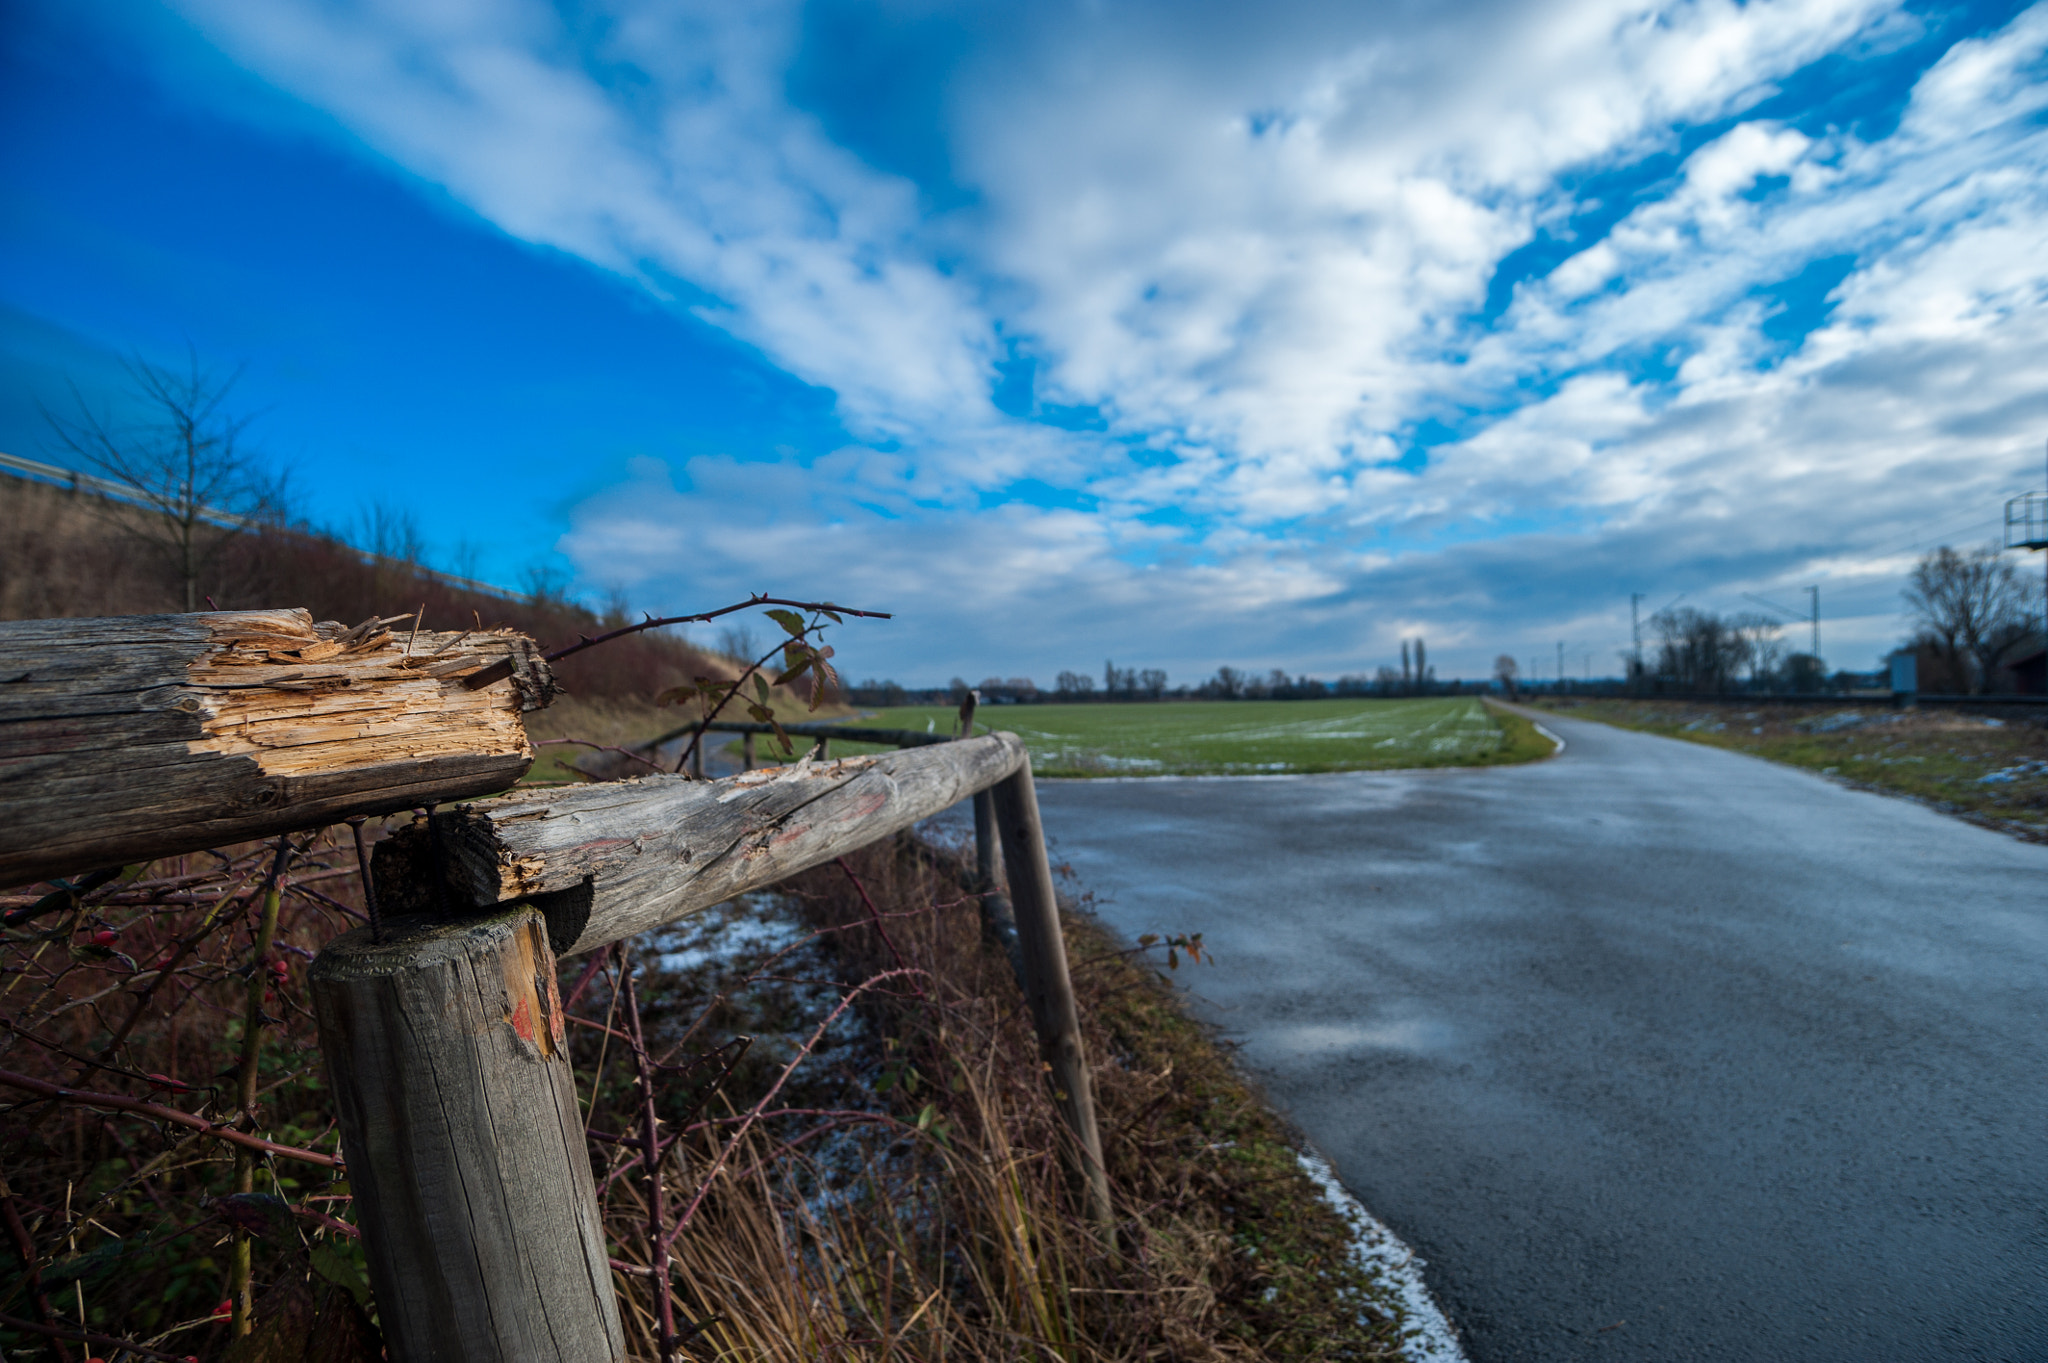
(1184, 334)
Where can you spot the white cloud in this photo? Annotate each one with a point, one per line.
(1260, 245)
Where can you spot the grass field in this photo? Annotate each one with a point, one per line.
(1239, 738)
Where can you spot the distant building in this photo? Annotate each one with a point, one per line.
(2022, 669)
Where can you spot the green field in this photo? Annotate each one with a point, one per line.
(1241, 738)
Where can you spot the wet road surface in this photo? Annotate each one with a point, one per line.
(1653, 1051)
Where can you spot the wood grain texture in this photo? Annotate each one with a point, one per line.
(464, 1143)
(608, 861)
(1048, 988)
(145, 736)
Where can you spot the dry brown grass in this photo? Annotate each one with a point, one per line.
(958, 1233)
(902, 1194)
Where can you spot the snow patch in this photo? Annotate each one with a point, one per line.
(1426, 1335)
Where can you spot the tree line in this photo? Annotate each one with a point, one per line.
(1415, 677)
(1975, 622)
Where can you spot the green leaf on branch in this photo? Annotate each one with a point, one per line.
(790, 621)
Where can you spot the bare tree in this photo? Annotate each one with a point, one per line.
(1699, 649)
(547, 585)
(1969, 605)
(182, 461)
(1074, 686)
(1504, 671)
(1758, 644)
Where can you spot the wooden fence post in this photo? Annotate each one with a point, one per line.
(464, 1142)
(998, 920)
(1048, 988)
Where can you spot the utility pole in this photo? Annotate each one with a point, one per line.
(1816, 624)
(1560, 664)
(1635, 629)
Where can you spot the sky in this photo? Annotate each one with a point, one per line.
(1179, 334)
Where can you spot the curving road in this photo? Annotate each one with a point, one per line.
(1653, 1051)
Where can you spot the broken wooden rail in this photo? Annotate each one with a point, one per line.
(127, 739)
(443, 1040)
(146, 736)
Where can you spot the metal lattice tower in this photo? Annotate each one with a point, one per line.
(2026, 527)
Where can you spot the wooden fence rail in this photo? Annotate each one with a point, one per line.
(128, 739)
(443, 1040)
(610, 860)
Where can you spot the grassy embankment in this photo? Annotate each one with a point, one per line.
(947, 1226)
(1990, 771)
(616, 722)
(901, 1197)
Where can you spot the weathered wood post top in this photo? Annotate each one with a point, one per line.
(144, 736)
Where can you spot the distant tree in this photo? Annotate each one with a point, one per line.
(1422, 673)
(1071, 686)
(1804, 674)
(392, 532)
(1152, 682)
(738, 643)
(1759, 647)
(1229, 683)
(547, 586)
(881, 693)
(1969, 607)
(1698, 649)
(1504, 671)
(1407, 676)
(183, 463)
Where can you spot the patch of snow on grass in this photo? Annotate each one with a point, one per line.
(1426, 1336)
(728, 936)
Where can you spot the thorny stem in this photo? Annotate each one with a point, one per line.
(874, 916)
(651, 623)
(239, 1261)
(115, 1102)
(754, 1113)
(650, 1139)
(26, 1248)
(164, 972)
(704, 725)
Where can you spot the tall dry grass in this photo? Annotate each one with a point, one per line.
(893, 1185)
(943, 1222)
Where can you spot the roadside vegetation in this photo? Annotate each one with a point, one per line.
(1990, 770)
(879, 1175)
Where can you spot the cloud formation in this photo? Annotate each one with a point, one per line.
(1209, 335)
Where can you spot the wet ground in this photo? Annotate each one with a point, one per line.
(1654, 1051)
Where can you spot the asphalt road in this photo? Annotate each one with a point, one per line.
(1652, 1051)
